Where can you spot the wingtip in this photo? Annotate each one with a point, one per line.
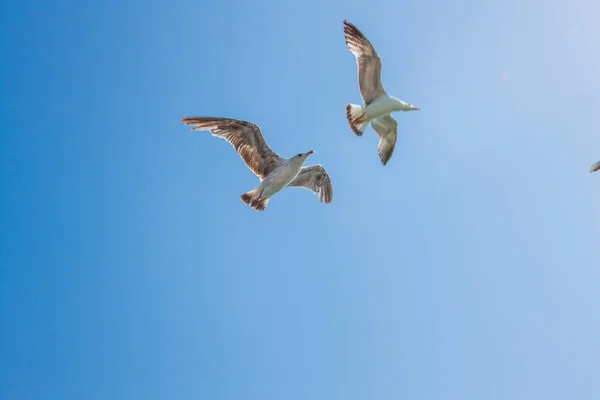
(385, 155)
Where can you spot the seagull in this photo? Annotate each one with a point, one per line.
(274, 172)
(595, 167)
(378, 105)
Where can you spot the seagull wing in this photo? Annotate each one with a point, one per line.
(245, 137)
(387, 130)
(315, 178)
(369, 64)
(595, 167)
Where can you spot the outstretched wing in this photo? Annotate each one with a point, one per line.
(315, 178)
(387, 130)
(245, 137)
(595, 167)
(369, 64)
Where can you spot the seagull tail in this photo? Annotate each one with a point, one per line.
(252, 198)
(260, 204)
(357, 118)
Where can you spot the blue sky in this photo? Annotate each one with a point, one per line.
(467, 268)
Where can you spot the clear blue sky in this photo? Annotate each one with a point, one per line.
(468, 268)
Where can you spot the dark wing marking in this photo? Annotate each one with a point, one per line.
(387, 130)
(369, 64)
(245, 137)
(315, 178)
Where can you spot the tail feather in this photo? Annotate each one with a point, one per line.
(259, 204)
(246, 198)
(252, 198)
(357, 118)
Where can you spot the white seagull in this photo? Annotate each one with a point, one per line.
(595, 167)
(274, 172)
(378, 105)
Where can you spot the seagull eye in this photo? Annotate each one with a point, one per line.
(299, 155)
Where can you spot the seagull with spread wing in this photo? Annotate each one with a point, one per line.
(274, 172)
(378, 105)
(595, 167)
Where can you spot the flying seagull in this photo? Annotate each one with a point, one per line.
(274, 172)
(378, 105)
(595, 167)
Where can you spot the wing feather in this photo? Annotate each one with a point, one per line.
(315, 179)
(387, 130)
(369, 63)
(245, 137)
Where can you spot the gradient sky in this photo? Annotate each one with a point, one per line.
(466, 269)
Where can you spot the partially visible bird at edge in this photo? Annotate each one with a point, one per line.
(274, 172)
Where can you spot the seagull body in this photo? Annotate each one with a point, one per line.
(595, 167)
(378, 105)
(285, 173)
(274, 172)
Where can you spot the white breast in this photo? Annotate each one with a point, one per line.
(383, 106)
(279, 178)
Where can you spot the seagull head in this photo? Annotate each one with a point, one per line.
(595, 167)
(302, 156)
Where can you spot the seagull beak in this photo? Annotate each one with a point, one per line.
(417, 109)
(310, 153)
